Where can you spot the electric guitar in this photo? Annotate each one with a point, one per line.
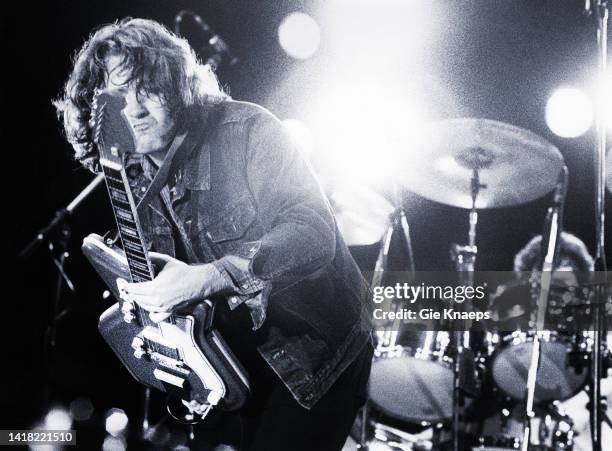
(183, 355)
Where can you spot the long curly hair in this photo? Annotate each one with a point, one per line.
(572, 252)
(157, 61)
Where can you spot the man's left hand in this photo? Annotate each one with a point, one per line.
(175, 285)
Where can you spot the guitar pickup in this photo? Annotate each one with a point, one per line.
(175, 365)
(162, 346)
(169, 378)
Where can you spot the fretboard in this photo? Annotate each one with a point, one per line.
(128, 224)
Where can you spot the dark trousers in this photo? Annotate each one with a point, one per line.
(272, 420)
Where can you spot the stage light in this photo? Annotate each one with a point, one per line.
(116, 422)
(113, 444)
(569, 112)
(81, 409)
(299, 35)
(301, 136)
(364, 128)
(57, 419)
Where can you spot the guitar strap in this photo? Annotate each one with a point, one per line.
(180, 148)
(179, 142)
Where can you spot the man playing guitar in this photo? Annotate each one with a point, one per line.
(233, 214)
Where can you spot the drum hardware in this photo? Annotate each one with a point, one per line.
(550, 238)
(599, 8)
(398, 224)
(479, 163)
(503, 431)
(464, 257)
(386, 347)
(472, 164)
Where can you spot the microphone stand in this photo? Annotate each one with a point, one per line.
(601, 292)
(59, 254)
(549, 249)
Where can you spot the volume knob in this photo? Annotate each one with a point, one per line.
(138, 345)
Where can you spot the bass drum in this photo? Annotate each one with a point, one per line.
(412, 380)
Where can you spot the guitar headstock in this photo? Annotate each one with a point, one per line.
(111, 132)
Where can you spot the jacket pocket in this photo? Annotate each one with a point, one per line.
(233, 223)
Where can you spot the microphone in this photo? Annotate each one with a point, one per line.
(220, 48)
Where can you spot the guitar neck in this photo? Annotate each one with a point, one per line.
(128, 224)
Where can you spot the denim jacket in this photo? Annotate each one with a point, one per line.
(241, 188)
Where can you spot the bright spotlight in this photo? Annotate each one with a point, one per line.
(116, 422)
(569, 112)
(58, 419)
(113, 444)
(299, 35)
(364, 128)
(301, 136)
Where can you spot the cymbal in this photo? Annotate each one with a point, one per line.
(362, 214)
(514, 165)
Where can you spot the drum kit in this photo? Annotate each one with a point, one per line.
(448, 389)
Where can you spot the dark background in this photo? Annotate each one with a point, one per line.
(502, 58)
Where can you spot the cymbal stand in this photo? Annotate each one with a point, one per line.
(552, 230)
(602, 295)
(399, 222)
(464, 257)
(388, 338)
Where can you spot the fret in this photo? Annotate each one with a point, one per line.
(138, 258)
(128, 245)
(134, 245)
(138, 261)
(139, 272)
(111, 172)
(136, 254)
(130, 231)
(142, 269)
(127, 223)
(119, 195)
(116, 183)
(138, 265)
(140, 278)
(116, 186)
(119, 204)
(124, 214)
(136, 241)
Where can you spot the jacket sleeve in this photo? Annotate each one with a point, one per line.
(300, 237)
